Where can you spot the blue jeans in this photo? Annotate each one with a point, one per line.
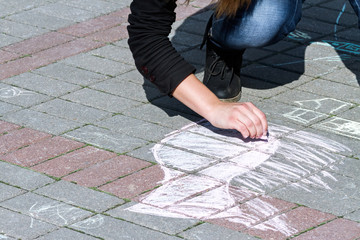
(265, 22)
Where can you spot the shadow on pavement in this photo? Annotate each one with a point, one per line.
(303, 52)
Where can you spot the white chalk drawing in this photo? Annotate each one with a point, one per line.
(308, 111)
(3, 237)
(56, 212)
(341, 126)
(304, 116)
(90, 223)
(10, 92)
(228, 177)
(328, 105)
(336, 125)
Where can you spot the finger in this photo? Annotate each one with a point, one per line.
(243, 116)
(239, 126)
(260, 116)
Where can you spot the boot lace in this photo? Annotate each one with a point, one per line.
(222, 71)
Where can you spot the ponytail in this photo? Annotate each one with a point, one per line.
(229, 7)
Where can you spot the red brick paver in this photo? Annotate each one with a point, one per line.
(110, 35)
(39, 43)
(7, 56)
(74, 161)
(106, 171)
(290, 223)
(338, 229)
(6, 127)
(20, 138)
(137, 183)
(41, 151)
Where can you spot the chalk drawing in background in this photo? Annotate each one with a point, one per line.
(229, 177)
(59, 213)
(10, 92)
(298, 35)
(337, 125)
(90, 223)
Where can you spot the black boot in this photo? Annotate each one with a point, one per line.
(222, 70)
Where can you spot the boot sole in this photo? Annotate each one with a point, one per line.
(233, 99)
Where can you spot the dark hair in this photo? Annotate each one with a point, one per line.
(228, 7)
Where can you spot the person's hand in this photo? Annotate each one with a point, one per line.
(244, 117)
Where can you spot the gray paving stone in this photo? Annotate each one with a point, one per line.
(189, 25)
(351, 144)
(167, 225)
(41, 121)
(21, 177)
(115, 53)
(107, 139)
(213, 232)
(319, 27)
(7, 108)
(128, 90)
(80, 196)
(122, 43)
(337, 5)
(20, 30)
(173, 104)
(281, 46)
(42, 84)
(7, 192)
(46, 209)
(7, 40)
(349, 167)
(352, 114)
(22, 226)
(96, 6)
(135, 77)
(313, 101)
(20, 96)
(321, 199)
(345, 76)
(354, 216)
(287, 113)
(135, 128)
(99, 65)
(194, 56)
(109, 228)
(340, 126)
(184, 38)
(165, 117)
(101, 100)
(65, 234)
(143, 153)
(70, 74)
(5, 237)
(330, 16)
(352, 34)
(333, 90)
(63, 11)
(272, 75)
(260, 89)
(71, 111)
(40, 20)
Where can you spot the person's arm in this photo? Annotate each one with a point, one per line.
(244, 117)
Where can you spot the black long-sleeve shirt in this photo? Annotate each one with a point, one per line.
(155, 57)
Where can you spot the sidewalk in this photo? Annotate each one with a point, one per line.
(91, 150)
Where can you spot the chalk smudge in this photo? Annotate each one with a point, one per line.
(298, 35)
(10, 92)
(58, 212)
(227, 177)
(90, 223)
